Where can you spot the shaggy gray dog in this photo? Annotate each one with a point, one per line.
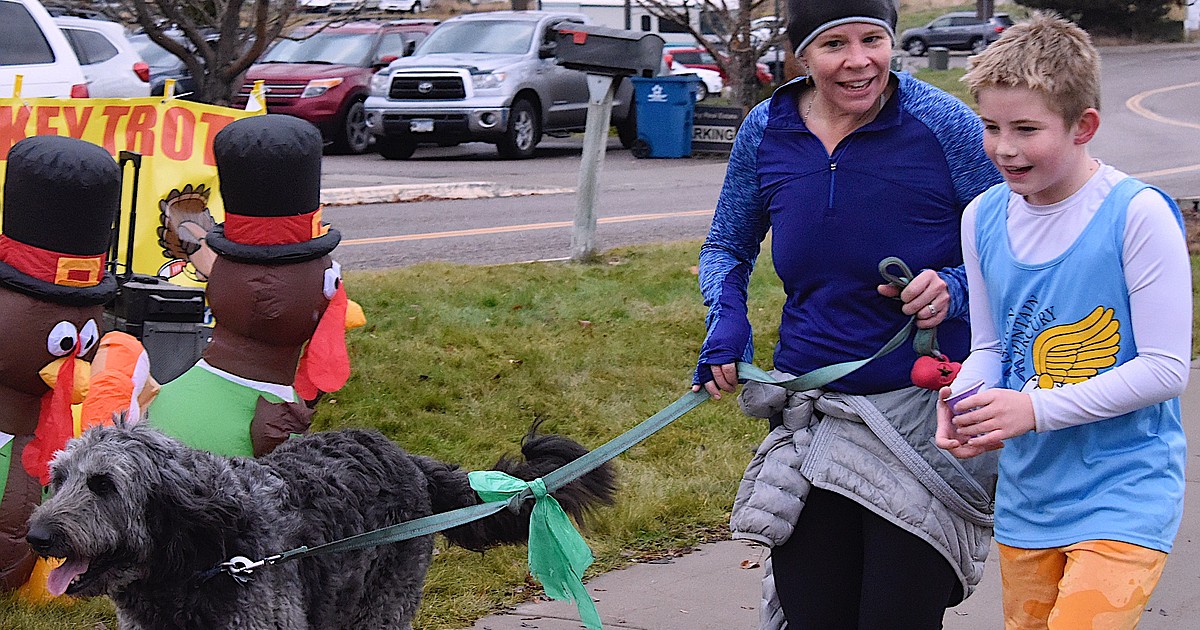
(143, 519)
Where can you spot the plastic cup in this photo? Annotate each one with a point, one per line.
(975, 388)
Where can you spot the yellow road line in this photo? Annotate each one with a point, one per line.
(521, 228)
(1135, 105)
(1168, 171)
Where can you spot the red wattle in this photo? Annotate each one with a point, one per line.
(55, 425)
(325, 364)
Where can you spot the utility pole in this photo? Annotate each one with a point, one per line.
(984, 9)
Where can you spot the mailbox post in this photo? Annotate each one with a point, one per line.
(606, 55)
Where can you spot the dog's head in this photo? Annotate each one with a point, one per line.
(119, 510)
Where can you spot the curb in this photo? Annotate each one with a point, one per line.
(400, 193)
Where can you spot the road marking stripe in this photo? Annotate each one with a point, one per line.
(1167, 171)
(521, 228)
(1134, 104)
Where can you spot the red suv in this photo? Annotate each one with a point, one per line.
(322, 73)
(701, 58)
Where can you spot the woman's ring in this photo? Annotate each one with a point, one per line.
(932, 309)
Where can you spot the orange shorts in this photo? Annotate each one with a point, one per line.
(1095, 584)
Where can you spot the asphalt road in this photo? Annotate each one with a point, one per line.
(1150, 128)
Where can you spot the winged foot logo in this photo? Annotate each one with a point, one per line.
(1065, 353)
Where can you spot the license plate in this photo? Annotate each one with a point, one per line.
(421, 125)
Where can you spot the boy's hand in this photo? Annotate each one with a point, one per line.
(948, 437)
(995, 415)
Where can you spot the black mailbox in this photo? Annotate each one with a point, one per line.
(611, 51)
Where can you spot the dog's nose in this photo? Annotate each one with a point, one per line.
(40, 539)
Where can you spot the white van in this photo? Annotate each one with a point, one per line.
(32, 46)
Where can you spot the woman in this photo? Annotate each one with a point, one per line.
(853, 164)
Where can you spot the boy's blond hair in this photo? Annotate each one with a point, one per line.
(1046, 54)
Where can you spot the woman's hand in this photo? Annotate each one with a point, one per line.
(724, 380)
(948, 438)
(927, 297)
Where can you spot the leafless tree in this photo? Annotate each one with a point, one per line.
(737, 48)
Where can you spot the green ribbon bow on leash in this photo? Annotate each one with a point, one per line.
(558, 555)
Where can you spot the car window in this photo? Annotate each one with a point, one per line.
(1003, 20)
(416, 37)
(966, 21)
(686, 57)
(324, 47)
(91, 47)
(496, 37)
(941, 22)
(21, 40)
(391, 44)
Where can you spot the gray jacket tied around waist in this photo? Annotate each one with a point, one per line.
(856, 446)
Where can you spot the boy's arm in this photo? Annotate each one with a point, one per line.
(1158, 274)
(983, 364)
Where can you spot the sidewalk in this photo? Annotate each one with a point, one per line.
(717, 586)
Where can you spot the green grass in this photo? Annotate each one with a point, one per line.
(458, 361)
(948, 80)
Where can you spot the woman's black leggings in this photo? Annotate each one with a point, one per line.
(846, 567)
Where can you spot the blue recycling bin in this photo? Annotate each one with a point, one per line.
(665, 106)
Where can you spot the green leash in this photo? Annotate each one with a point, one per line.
(558, 555)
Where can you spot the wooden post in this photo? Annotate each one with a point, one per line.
(601, 89)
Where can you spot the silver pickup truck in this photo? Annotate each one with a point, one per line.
(486, 77)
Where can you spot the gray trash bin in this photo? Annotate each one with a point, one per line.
(939, 58)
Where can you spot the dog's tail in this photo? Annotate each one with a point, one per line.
(449, 488)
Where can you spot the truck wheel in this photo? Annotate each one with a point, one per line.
(627, 129)
(524, 132)
(640, 149)
(396, 148)
(915, 47)
(352, 135)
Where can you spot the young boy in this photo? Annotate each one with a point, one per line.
(1080, 302)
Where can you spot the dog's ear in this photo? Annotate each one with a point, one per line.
(190, 519)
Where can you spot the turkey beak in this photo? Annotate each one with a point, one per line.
(83, 371)
(355, 317)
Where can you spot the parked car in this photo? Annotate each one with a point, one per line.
(33, 47)
(487, 77)
(112, 67)
(959, 30)
(322, 73)
(768, 28)
(697, 57)
(710, 80)
(165, 65)
(412, 6)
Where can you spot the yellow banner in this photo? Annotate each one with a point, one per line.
(178, 197)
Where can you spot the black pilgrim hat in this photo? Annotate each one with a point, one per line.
(269, 168)
(60, 198)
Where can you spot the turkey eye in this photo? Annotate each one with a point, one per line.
(333, 279)
(88, 337)
(62, 339)
(101, 485)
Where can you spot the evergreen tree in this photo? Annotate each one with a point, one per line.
(1140, 19)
